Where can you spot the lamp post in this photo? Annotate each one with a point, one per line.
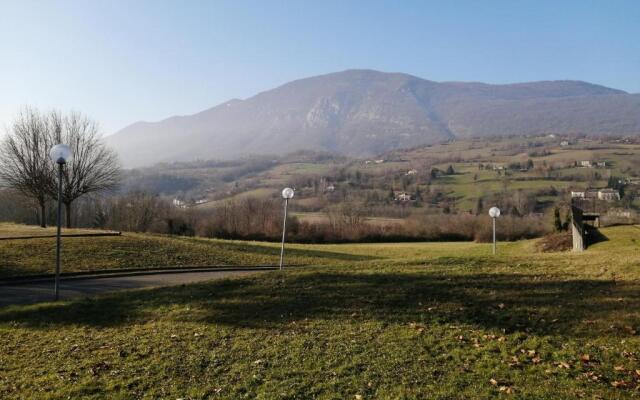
(494, 213)
(287, 194)
(60, 154)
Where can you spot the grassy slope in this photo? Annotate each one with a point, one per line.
(9, 230)
(414, 321)
(37, 256)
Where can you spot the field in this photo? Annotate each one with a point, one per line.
(487, 170)
(421, 320)
(9, 230)
(130, 250)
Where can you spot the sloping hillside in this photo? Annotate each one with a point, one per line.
(363, 112)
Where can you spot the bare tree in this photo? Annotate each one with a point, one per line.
(24, 161)
(93, 168)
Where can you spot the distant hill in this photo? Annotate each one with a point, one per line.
(364, 112)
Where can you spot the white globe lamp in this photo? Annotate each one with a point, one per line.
(494, 213)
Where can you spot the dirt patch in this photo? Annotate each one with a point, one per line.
(555, 242)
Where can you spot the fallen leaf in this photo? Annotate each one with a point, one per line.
(620, 384)
(506, 389)
(493, 382)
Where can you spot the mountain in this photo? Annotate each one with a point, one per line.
(364, 112)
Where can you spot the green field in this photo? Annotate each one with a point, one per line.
(357, 180)
(423, 320)
(22, 257)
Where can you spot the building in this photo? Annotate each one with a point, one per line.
(586, 164)
(564, 143)
(402, 196)
(578, 194)
(331, 188)
(584, 194)
(608, 195)
(179, 203)
(600, 194)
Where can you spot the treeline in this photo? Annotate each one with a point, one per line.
(261, 219)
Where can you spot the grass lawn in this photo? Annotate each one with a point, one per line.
(37, 256)
(9, 230)
(437, 320)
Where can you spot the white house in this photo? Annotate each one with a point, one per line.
(179, 203)
(403, 196)
(608, 195)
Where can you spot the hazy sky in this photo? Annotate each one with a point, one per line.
(124, 61)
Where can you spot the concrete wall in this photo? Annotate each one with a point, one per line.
(577, 229)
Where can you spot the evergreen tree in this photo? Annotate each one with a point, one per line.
(479, 206)
(557, 222)
(567, 221)
(392, 195)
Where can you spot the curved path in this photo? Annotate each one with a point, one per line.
(25, 293)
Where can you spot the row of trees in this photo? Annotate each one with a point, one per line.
(25, 165)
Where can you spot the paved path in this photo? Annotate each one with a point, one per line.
(43, 291)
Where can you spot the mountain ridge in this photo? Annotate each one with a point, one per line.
(365, 112)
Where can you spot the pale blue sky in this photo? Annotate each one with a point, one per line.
(124, 61)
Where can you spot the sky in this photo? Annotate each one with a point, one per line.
(125, 61)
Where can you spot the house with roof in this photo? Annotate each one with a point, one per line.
(608, 194)
(403, 196)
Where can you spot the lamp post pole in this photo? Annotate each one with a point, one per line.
(284, 232)
(494, 236)
(59, 154)
(494, 213)
(287, 194)
(58, 228)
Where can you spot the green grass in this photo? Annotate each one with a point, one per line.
(436, 321)
(37, 256)
(9, 230)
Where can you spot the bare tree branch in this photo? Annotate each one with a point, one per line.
(93, 168)
(24, 163)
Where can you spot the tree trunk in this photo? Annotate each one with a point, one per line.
(67, 214)
(43, 217)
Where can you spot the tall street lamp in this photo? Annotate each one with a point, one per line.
(60, 154)
(494, 213)
(287, 194)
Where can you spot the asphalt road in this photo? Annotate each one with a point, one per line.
(43, 291)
